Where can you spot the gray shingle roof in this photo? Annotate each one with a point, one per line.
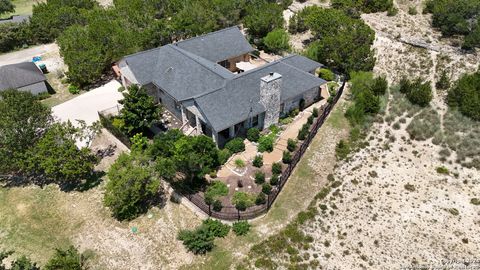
(217, 46)
(20, 75)
(188, 70)
(16, 19)
(180, 73)
(301, 62)
(239, 99)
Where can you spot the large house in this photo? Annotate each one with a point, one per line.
(24, 77)
(199, 81)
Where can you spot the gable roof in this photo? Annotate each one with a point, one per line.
(20, 75)
(241, 95)
(301, 62)
(218, 46)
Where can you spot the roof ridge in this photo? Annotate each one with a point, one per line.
(207, 34)
(142, 52)
(197, 59)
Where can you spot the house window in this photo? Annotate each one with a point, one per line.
(255, 121)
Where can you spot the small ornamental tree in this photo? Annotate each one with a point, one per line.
(259, 177)
(69, 259)
(260, 199)
(287, 157)
(277, 168)
(274, 179)
(131, 189)
(139, 110)
(242, 200)
(266, 188)
(258, 161)
(291, 145)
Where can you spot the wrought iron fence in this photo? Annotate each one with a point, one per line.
(231, 213)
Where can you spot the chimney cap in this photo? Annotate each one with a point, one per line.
(272, 77)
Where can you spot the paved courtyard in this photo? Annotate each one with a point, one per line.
(86, 106)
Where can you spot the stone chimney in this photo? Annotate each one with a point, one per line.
(270, 91)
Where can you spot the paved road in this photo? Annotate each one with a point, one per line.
(27, 54)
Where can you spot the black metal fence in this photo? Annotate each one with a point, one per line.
(231, 213)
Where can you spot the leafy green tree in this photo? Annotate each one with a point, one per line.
(139, 110)
(196, 156)
(242, 200)
(263, 17)
(380, 86)
(132, 188)
(23, 119)
(465, 95)
(66, 259)
(57, 157)
(326, 74)
(14, 35)
(164, 144)
(418, 92)
(6, 6)
(349, 49)
(454, 17)
(52, 17)
(277, 41)
(354, 7)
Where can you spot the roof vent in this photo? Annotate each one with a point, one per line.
(271, 73)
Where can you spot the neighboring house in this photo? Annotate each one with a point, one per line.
(16, 19)
(24, 77)
(195, 80)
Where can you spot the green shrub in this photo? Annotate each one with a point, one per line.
(310, 119)
(291, 145)
(253, 134)
(64, 259)
(73, 89)
(392, 11)
(217, 205)
(216, 228)
(276, 168)
(342, 150)
(199, 241)
(286, 120)
(465, 95)
(235, 145)
(326, 74)
(216, 189)
(475, 201)
(241, 227)
(118, 123)
(287, 157)
(260, 199)
(417, 92)
(294, 113)
(242, 200)
(274, 180)
(442, 170)
(412, 10)
(380, 86)
(277, 41)
(302, 134)
(240, 163)
(265, 143)
(258, 161)
(266, 188)
(259, 177)
(443, 82)
(315, 112)
(223, 156)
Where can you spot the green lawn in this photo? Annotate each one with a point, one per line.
(32, 222)
(22, 7)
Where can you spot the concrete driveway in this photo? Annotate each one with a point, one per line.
(86, 106)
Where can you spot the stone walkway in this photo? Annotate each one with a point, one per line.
(280, 145)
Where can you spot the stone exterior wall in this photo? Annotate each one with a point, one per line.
(311, 95)
(270, 90)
